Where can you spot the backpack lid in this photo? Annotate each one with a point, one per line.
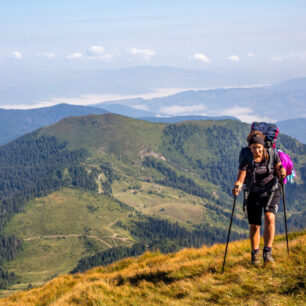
(270, 130)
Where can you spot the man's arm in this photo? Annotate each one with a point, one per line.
(239, 182)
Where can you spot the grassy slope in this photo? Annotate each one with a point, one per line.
(109, 133)
(189, 277)
(51, 227)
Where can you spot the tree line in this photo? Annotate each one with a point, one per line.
(172, 179)
(32, 167)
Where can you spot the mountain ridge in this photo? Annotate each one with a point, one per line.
(16, 122)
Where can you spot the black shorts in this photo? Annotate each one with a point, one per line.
(257, 201)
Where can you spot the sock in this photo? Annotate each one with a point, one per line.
(267, 249)
(255, 251)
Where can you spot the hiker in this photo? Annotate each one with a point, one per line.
(262, 192)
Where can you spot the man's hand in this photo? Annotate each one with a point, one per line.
(237, 188)
(281, 172)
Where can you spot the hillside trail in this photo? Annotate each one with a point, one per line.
(98, 181)
(69, 235)
(114, 236)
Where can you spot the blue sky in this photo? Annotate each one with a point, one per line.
(212, 35)
(42, 40)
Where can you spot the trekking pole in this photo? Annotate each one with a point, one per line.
(285, 216)
(229, 231)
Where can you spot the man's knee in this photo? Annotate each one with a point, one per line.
(254, 227)
(269, 218)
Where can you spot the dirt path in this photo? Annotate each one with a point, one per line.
(70, 235)
(114, 236)
(98, 181)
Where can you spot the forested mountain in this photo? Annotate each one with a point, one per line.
(16, 122)
(90, 190)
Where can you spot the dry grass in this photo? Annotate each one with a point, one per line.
(188, 277)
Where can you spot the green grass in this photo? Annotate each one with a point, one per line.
(52, 228)
(108, 133)
(152, 199)
(68, 211)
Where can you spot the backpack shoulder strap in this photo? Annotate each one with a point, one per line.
(272, 159)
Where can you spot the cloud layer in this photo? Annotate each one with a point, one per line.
(174, 110)
(245, 114)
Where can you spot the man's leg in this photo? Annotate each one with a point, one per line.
(254, 236)
(254, 217)
(255, 239)
(269, 230)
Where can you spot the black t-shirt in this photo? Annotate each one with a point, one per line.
(262, 176)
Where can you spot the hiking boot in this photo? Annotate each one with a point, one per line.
(267, 257)
(255, 259)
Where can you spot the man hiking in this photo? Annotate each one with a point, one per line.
(260, 175)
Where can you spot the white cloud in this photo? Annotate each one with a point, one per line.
(17, 55)
(250, 54)
(234, 58)
(48, 55)
(245, 114)
(75, 56)
(98, 52)
(182, 110)
(276, 58)
(201, 57)
(146, 54)
(95, 51)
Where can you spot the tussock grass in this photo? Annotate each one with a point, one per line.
(188, 277)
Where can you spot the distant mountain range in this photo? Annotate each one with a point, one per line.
(14, 123)
(286, 100)
(186, 118)
(128, 81)
(280, 102)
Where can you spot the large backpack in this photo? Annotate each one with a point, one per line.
(271, 132)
